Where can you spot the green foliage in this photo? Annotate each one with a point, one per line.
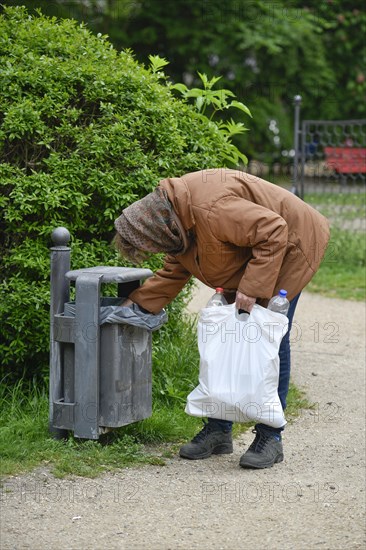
(84, 131)
(157, 63)
(25, 441)
(266, 51)
(217, 102)
(343, 25)
(205, 97)
(175, 373)
(342, 272)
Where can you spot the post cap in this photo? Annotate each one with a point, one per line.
(60, 236)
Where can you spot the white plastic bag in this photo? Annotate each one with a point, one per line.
(239, 365)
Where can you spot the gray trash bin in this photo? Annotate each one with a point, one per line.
(100, 374)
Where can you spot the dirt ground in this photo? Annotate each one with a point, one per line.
(315, 499)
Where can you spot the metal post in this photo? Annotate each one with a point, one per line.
(60, 292)
(87, 355)
(297, 103)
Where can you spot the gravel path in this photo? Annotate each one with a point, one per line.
(315, 499)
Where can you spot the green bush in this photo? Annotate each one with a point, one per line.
(84, 131)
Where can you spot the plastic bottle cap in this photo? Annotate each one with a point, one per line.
(219, 289)
(283, 293)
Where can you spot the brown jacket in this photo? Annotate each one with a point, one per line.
(247, 234)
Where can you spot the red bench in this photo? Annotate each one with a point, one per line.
(346, 160)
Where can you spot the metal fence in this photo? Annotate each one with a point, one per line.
(330, 168)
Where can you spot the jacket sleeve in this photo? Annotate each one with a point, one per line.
(160, 289)
(246, 224)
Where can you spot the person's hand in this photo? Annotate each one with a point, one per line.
(242, 301)
(126, 302)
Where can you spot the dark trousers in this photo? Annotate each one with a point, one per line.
(285, 370)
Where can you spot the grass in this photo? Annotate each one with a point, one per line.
(24, 438)
(345, 283)
(356, 199)
(25, 442)
(342, 272)
(339, 208)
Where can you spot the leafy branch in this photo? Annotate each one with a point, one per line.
(207, 99)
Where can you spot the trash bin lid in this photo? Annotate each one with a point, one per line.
(112, 274)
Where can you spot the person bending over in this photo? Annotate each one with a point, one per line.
(232, 230)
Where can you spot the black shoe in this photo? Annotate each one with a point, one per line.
(211, 440)
(265, 451)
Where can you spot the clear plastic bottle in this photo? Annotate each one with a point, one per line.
(218, 299)
(279, 303)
